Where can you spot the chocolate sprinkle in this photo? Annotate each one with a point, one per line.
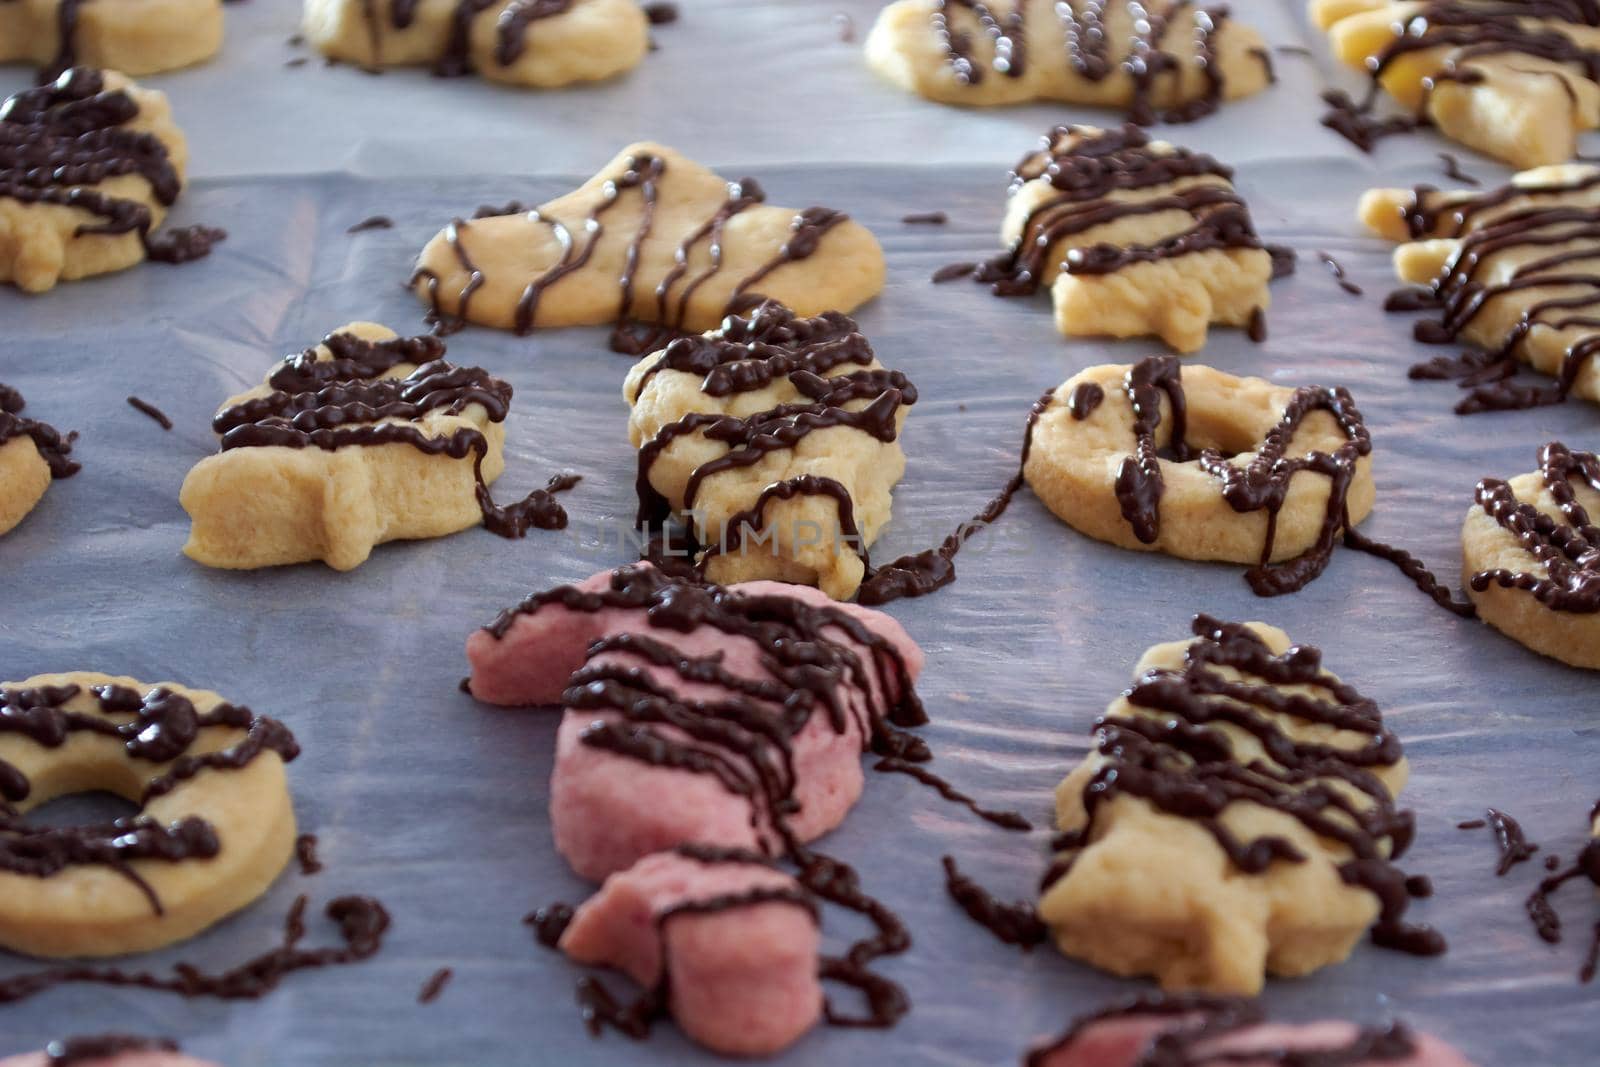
(146, 408)
(435, 985)
(103, 1047)
(376, 222)
(305, 853)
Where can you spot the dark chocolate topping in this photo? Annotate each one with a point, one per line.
(374, 222)
(1198, 1020)
(511, 30)
(641, 175)
(103, 1047)
(362, 922)
(59, 141)
(144, 407)
(305, 854)
(339, 402)
(1086, 169)
(435, 985)
(54, 447)
(1336, 269)
(1015, 924)
(1177, 762)
(1568, 552)
(1261, 485)
(1092, 53)
(161, 728)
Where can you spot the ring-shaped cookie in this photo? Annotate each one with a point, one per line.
(1084, 448)
(1524, 582)
(209, 779)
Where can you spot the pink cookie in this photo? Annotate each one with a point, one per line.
(734, 940)
(744, 700)
(1220, 1032)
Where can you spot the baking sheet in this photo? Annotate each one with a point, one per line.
(438, 806)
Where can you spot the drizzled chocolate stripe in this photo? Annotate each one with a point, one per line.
(1086, 170)
(1569, 551)
(1470, 30)
(54, 447)
(512, 29)
(1182, 765)
(747, 355)
(362, 923)
(642, 175)
(338, 403)
(1460, 296)
(162, 728)
(1198, 1020)
(103, 1047)
(1261, 485)
(59, 140)
(744, 740)
(1090, 49)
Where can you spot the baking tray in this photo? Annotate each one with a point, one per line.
(437, 805)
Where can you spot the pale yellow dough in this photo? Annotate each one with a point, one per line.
(590, 41)
(804, 542)
(511, 252)
(1523, 109)
(136, 37)
(91, 910)
(1175, 298)
(1154, 894)
(906, 48)
(24, 476)
(1422, 261)
(40, 244)
(262, 507)
(1570, 637)
(1073, 467)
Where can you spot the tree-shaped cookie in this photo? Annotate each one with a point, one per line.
(1511, 271)
(1513, 80)
(777, 439)
(135, 37)
(537, 43)
(1167, 60)
(89, 166)
(1236, 817)
(1132, 237)
(364, 439)
(653, 237)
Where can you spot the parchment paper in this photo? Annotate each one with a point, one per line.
(438, 806)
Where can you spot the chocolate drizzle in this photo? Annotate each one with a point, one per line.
(102, 1047)
(1547, 921)
(1091, 52)
(1006, 820)
(511, 30)
(305, 854)
(1488, 225)
(641, 174)
(1086, 169)
(144, 407)
(1514, 845)
(1197, 1020)
(1568, 552)
(362, 923)
(1261, 485)
(934, 568)
(1336, 269)
(54, 447)
(744, 740)
(160, 727)
(748, 355)
(344, 401)
(59, 141)
(1014, 924)
(1179, 762)
(435, 985)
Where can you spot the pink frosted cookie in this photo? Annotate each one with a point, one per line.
(725, 942)
(107, 1050)
(699, 713)
(1180, 1031)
